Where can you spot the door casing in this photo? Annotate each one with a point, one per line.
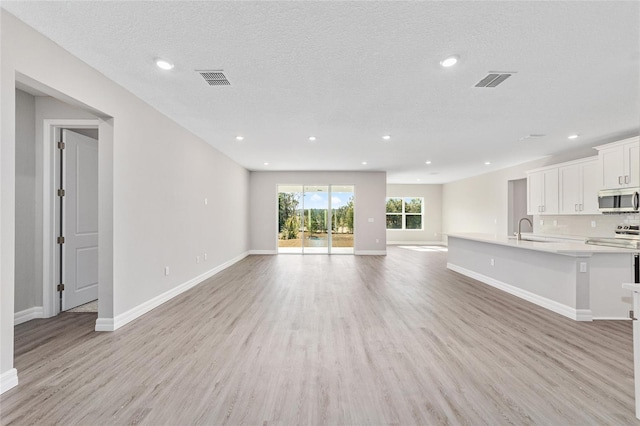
(51, 209)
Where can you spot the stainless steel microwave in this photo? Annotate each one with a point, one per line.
(619, 200)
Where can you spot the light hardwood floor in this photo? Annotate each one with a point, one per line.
(328, 340)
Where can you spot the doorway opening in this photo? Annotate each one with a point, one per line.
(517, 205)
(316, 219)
(71, 231)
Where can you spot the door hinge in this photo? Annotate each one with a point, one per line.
(61, 145)
(60, 192)
(60, 240)
(60, 287)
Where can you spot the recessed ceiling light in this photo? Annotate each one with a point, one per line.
(486, 163)
(427, 162)
(572, 136)
(449, 62)
(312, 138)
(239, 138)
(364, 163)
(266, 164)
(386, 137)
(417, 180)
(164, 64)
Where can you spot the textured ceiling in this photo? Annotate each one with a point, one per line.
(351, 72)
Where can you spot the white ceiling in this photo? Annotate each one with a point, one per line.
(351, 72)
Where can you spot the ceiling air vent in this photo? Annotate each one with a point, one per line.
(214, 77)
(494, 78)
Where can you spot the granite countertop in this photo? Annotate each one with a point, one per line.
(546, 244)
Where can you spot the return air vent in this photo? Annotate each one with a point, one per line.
(494, 78)
(214, 77)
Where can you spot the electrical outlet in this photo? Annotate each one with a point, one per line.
(166, 270)
(583, 266)
(197, 259)
(205, 256)
(541, 222)
(593, 223)
(555, 223)
(493, 262)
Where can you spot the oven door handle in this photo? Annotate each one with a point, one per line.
(636, 200)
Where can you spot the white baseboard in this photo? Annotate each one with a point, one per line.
(611, 318)
(552, 305)
(370, 252)
(28, 315)
(105, 324)
(112, 324)
(8, 380)
(416, 243)
(259, 252)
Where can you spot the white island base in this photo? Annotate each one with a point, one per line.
(579, 281)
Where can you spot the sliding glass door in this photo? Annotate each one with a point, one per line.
(342, 219)
(290, 223)
(315, 219)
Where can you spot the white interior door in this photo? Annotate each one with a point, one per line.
(80, 220)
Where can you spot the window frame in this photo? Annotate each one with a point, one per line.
(403, 214)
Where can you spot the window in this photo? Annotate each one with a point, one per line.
(404, 213)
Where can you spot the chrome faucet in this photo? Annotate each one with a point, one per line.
(519, 234)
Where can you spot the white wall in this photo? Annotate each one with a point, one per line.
(26, 262)
(370, 193)
(432, 219)
(154, 178)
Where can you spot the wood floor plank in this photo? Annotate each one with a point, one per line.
(327, 340)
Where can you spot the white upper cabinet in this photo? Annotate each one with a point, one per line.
(578, 192)
(542, 191)
(619, 164)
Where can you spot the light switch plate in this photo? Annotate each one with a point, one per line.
(370, 219)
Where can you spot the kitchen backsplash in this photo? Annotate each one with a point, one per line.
(582, 225)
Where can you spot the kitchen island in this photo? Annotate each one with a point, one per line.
(577, 280)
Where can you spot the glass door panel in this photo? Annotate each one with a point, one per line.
(316, 220)
(290, 228)
(342, 219)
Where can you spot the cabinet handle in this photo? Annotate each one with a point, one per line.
(575, 207)
(626, 179)
(619, 180)
(543, 207)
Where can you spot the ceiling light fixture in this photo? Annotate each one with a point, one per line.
(364, 163)
(266, 164)
(573, 136)
(386, 137)
(312, 138)
(427, 162)
(239, 138)
(486, 163)
(450, 61)
(164, 64)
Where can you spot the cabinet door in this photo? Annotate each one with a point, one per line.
(590, 188)
(632, 163)
(570, 189)
(611, 171)
(550, 192)
(534, 193)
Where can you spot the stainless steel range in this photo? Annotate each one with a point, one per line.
(626, 236)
